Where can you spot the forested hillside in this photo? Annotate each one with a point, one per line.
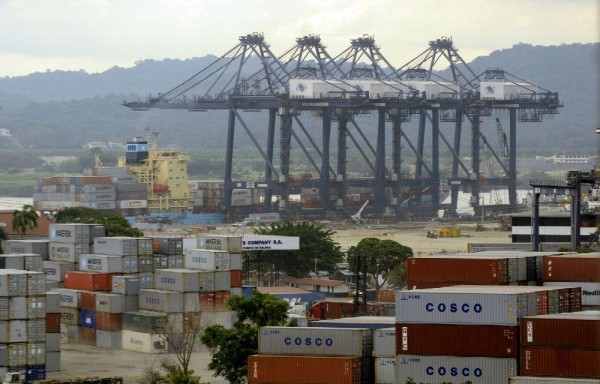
(66, 109)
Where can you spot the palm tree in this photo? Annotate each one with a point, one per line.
(24, 219)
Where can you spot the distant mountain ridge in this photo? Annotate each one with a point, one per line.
(65, 109)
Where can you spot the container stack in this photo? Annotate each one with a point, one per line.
(384, 355)
(565, 345)
(52, 332)
(54, 193)
(578, 270)
(468, 332)
(312, 355)
(37, 247)
(22, 323)
(22, 261)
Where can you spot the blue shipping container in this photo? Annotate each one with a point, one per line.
(88, 318)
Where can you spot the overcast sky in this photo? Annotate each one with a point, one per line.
(94, 35)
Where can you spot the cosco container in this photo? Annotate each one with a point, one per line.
(576, 268)
(207, 260)
(37, 247)
(120, 246)
(231, 244)
(304, 369)
(167, 245)
(560, 362)
(161, 300)
(144, 321)
(459, 305)
(179, 280)
(67, 252)
(456, 340)
(439, 369)
(69, 233)
(314, 341)
(384, 342)
(549, 380)
(126, 285)
(569, 330)
(385, 370)
(55, 270)
(143, 342)
(101, 263)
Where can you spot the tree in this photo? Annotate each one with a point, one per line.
(230, 348)
(3, 236)
(316, 242)
(24, 219)
(382, 257)
(114, 225)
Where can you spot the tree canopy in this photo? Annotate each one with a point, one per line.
(114, 225)
(382, 257)
(316, 242)
(230, 348)
(24, 219)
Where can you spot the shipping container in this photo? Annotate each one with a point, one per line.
(89, 281)
(145, 264)
(370, 322)
(69, 316)
(484, 270)
(385, 370)
(37, 247)
(52, 361)
(314, 341)
(577, 330)
(53, 341)
(69, 334)
(144, 321)
(52, 302)
(88, 336)
(36, 283)
(167, 245)
(126, 285)
(106, 321)
(109, 339)
(109, 302)
(87, 318)
(457, 340)
(161, 300)
(560, 362)
(440, 369)
(27, 262)
(236, 278)
(231, 244)
(53, 323)
(131, 263)
(101, 263)
(174, 261)
(17, 354)
(69, 297)
(69, 233)
(55, 270)
(179, 280)
(575, 268)
(590, 292)
(120, 246)
(132, 204)
(13, 283)
(67, 252)
(208, 260)
(384, 342)
(36, 353)
(143, 342)
(304, 369)
(549, 380)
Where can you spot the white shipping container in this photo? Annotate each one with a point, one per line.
(17, 308)
(315, 341)
(110, 302)
(36, 353)
(120, 246)
(144, 342)
(13, 283)
(231, 244)
(131, 264)
(126, 285)
(133, 204)
(69, 316)
(17, 332)
(222, 280)
(36, 283)
(434, 369)
(36, 330)
(207, 260)
(385, 370)
(17, 355)
(69, 233)
(4, 304)
(36, 307)
(68, 252)
(161, 300)
(179, 280)
(384, 342)
(28, 262)
(590, 292)
(69, 297)
(69, 334)
(38, 247)
(101, 263)
(55, 270)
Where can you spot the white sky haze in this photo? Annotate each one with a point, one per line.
(94, 35)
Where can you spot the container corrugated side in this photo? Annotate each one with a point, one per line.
(232, 244)
(439, 369)
(69, 233)
(465, 271)
(120, 246)
(144, 321)
(574, 268)
(314, 341)
(590, 292)
(67, 252)
(161, 300)
(457, 340)
(560, 362)
(143, 342)
(101, 263)
(563, 330)
(385, 370)
(549, 380)
(463, 307)
(179, 280)
(304, 369)
(384, 342)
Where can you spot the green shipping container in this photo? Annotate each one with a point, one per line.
(144, 321)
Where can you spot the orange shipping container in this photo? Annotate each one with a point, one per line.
(88, 281)
(88, 300)
(236, 278)
(52, 322)
(88, 336)
(106, 321)
(274, 369)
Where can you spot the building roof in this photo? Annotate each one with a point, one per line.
(320, 282)
(281, 290)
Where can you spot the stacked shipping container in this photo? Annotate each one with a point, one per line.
(578, 270)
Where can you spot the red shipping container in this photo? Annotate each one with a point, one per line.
(88, 300)
(560, 362)
(386, 296)
(564, 330)
(429, 284)
(191, 321)
(575, 268)
(106, 321)
(236, 278)
(221, 300)
(88, 336)
(52, 322)
(451, 269)
(207, 301)
(457, 340)
(304, 369)
(88, 281)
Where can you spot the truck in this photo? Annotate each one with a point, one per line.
(258, 218)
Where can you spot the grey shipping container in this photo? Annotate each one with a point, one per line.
(36, 283)
(28, 262)
(13, 283)
(145, 264)
(36, 353)
(110, 302)
(438, 369)
(52, 361)
(68, 252)
(465, 306)
(385, 370)
(69, 297)
(53, 342)
(107, 339)
(179, 280)
(126, 285)
(167, 245)
(52, 302)
(69, 233)
(314, 341)
(4, 304)
(144, 321)
(384, 342)
(101, 263)
(69, 316)
(144, 246)
(146, 280)
(36, 330)
(131, 264)
(120, 246)
(96, 231)
(175, 261)
(232, 244)
(38, 247)
(161, 300)
(55, 270)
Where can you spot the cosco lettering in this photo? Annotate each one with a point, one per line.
(453, 371)
(308, 341)
(453, 308)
